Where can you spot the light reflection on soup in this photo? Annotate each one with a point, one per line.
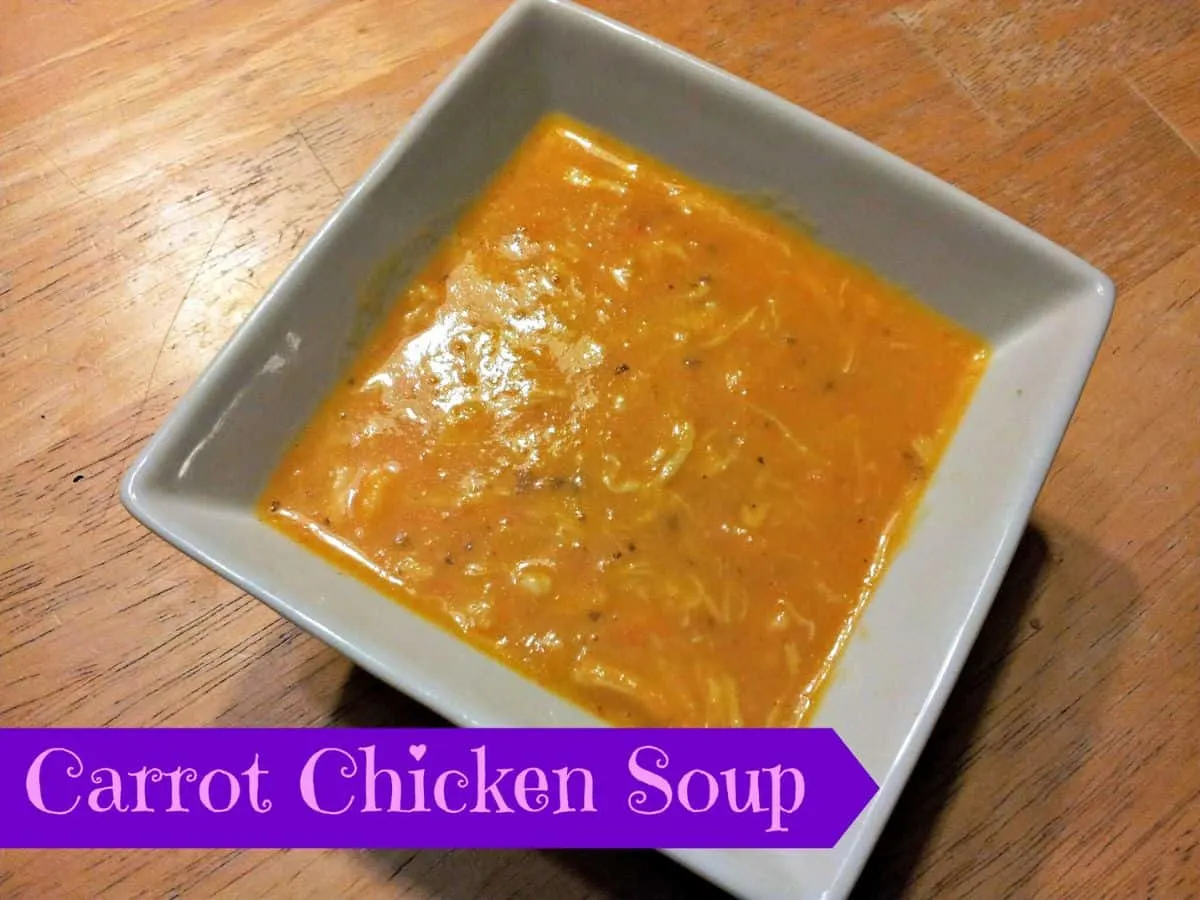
(644, 444)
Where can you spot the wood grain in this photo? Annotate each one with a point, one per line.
(160, 163)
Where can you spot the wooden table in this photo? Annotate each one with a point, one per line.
(162, 161)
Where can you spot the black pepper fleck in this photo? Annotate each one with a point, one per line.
(621, 369)
(77, 479)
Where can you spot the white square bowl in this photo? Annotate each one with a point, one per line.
(1043, 310)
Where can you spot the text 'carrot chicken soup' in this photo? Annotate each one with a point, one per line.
(645, 444)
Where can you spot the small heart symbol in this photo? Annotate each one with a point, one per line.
(417, 751)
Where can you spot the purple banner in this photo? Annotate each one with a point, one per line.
(431, 788)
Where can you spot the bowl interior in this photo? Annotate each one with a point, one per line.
(1042, 310)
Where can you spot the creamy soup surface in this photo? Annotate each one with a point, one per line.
(643, 443)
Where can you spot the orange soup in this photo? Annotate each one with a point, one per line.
(645, 444)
